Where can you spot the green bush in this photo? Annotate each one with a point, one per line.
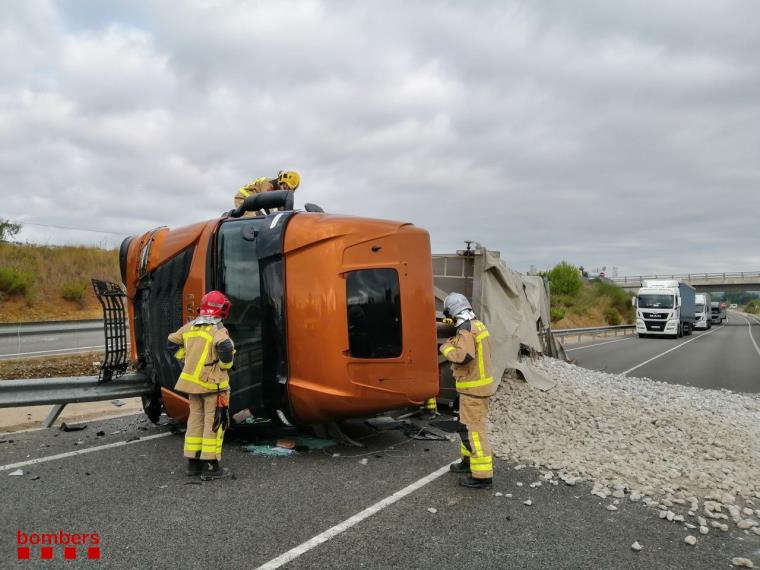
(620, 299)
(611, 316)
(565, 279)
(74, 291)
(16, 282)
(557, 314)
(753, 307)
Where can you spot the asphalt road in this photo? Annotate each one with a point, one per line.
(726, 356)
(50, 344)
(135, 497)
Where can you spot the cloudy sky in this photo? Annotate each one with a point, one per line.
(618, 133)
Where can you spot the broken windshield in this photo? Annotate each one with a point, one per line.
(655, 301)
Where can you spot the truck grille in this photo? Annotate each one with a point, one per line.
(655, 325)
(661, 316)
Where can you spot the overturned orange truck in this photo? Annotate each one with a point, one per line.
(332, 316)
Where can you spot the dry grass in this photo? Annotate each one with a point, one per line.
(55, 270)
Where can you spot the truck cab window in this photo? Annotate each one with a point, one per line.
(374, 313)
(239, 279)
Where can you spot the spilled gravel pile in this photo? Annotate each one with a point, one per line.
(693, 453)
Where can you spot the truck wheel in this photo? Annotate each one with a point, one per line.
(679, 334)
(687, 330)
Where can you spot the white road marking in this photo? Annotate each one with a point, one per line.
(80, 452)
(86, 421)
(294, 553)
(749, 330)
(50, 351)
(597, 344)
(670, 350)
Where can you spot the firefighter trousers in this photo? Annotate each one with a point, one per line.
(473, 416)
(200, 438)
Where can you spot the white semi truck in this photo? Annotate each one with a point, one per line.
(665, 308)
(703, 318)
(718, 312)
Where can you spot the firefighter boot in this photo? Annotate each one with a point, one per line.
(473, 483)
(194, 467)
(214, 471)
(461, 466)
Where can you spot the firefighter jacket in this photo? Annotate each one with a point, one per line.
(470, 354)
(207, 351)
(258, 186)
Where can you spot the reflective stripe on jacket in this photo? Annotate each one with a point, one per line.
(470, 354)
(203, 371)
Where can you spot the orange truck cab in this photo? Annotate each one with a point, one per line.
(332, 316)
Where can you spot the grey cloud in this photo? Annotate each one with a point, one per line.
(602, 133)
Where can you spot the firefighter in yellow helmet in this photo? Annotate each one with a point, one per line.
(286, 180)
(207, 350)
(470, 354)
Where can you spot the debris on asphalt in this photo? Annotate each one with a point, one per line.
(192, 483)
(432, 510)
(300, 443)
(636, 546)
(606, 428)
(742, 562)
(519, 484)
(498, 494)
(528, 502)
(100, 433)
(611, 508)
(364, 461)
(118, 403)
(16, 473)
(35, 478)
(703, 530)
(690, 540)
(163, 486)
(383, 423)
(66, 427)
(133, 438)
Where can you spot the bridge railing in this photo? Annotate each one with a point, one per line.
(685, 276)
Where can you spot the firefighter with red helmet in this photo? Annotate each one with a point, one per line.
(207, 350)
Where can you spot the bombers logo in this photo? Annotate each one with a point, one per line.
(61, 544)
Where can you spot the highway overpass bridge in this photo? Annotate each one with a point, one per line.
(708, 282)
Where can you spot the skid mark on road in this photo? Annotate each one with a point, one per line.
(670, 350)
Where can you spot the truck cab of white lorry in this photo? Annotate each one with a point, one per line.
(703, 314)
(717, 312)
(665, 308)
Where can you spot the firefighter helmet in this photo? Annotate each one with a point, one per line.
(215, 304)
(289, 177)
(455, 303)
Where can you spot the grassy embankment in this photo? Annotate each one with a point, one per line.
(41, 283)
(576, 302)
(752, 307)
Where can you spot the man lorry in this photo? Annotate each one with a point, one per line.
(703, 319)
(665, 308)
(332, 316)
(717, 312)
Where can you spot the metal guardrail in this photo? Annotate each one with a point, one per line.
(70, 390)
(591, 330)
(639, 278)
(49, 327)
